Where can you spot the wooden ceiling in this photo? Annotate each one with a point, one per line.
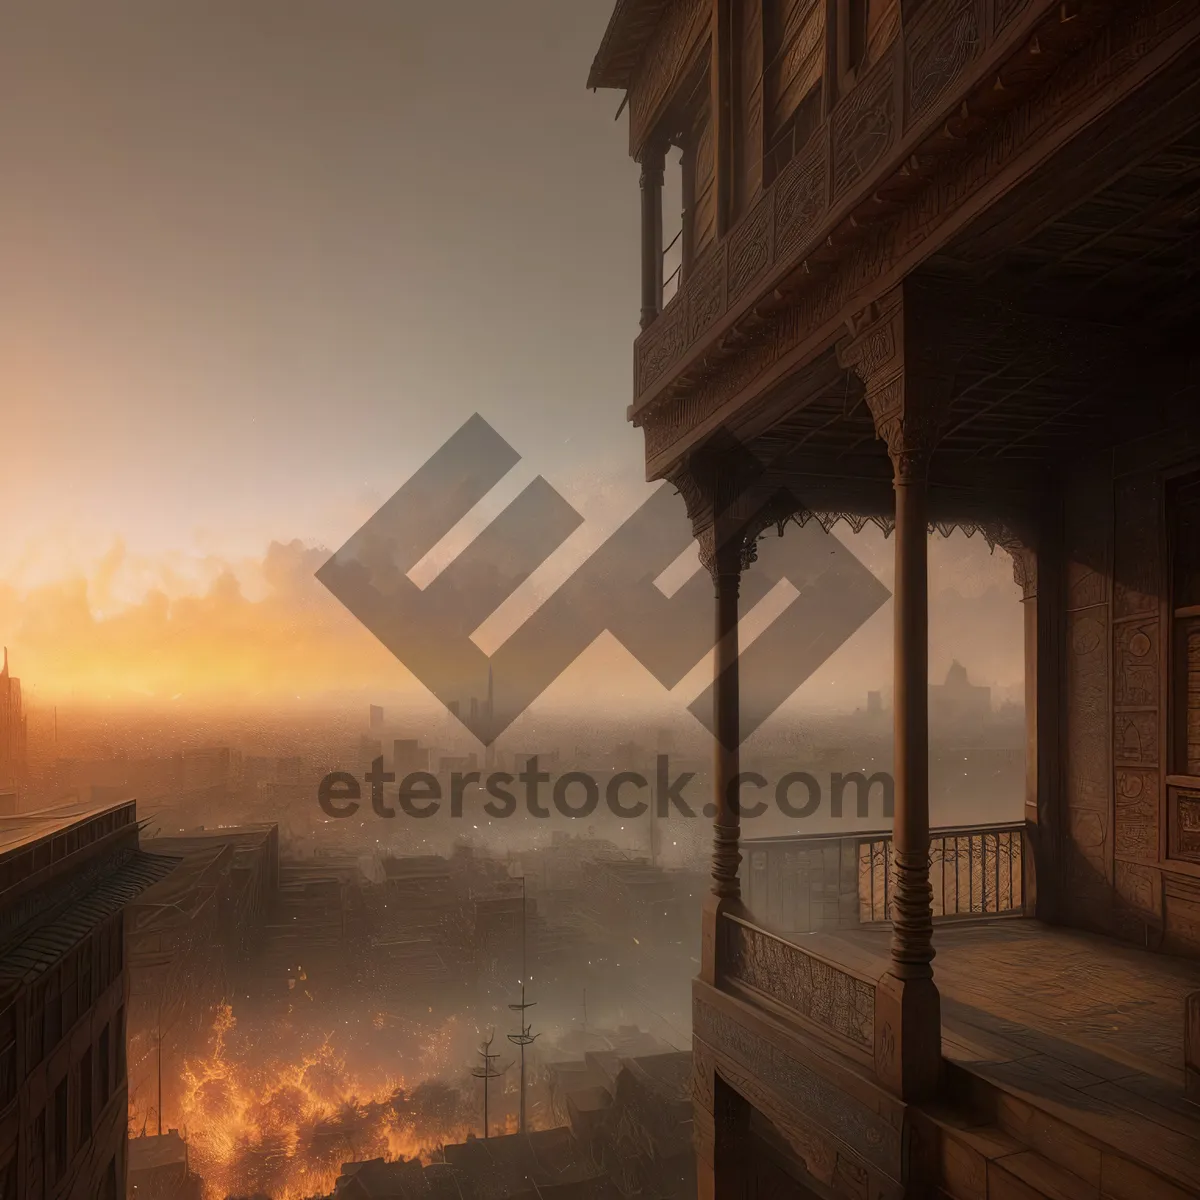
(1056, 335)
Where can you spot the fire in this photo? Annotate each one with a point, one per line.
(281, 1120)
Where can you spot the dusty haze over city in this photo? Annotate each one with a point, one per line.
(260, 262)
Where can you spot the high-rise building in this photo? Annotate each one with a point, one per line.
(376, 717)
(13, 731)
(66, 875)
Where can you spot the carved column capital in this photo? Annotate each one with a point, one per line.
(653, 161)
(729, 507)
(1023, 552)
(908, 387)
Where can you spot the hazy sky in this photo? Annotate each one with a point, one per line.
(261, 256)
(259, 259)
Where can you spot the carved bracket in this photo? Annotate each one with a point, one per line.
(908, 388)
(730, 504)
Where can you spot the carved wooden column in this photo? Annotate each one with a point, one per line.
(727, 577)
(718, 502)
(654, 161)
(908, 396)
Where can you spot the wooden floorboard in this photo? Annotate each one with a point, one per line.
(1084, 1030)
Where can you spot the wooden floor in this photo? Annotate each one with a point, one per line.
(1083, 1035)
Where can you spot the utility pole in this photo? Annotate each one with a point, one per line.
(160, 1045)
(524, 1038)
(487, 1071)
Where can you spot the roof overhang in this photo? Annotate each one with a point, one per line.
(629, 29)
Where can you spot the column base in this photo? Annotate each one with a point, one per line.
(908, 1037)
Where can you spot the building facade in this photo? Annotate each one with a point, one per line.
(936, 270)
(66, 876)
(14, 765)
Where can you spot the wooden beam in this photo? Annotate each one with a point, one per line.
(721, 81)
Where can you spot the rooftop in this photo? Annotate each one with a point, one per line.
(22, 830)
(43, 945)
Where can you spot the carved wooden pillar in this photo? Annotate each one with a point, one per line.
(727, 577)
(720, 506)
(1040, 667)
(908, 395)
(1037, 569)
(654, 161)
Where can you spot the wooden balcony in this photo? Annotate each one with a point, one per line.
(1065, 1055)
(969, 90)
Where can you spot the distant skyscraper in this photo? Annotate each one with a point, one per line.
(376, 717)
(13, 730)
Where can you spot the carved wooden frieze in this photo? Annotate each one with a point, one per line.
(943, 42)
(662, 343)
(861, 126)
(808, 986)
(1095, 71)
(705, 297)
(800, 196)
(750, 249)
(789, 1091)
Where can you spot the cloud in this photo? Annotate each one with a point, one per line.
(131, 627)
(253, 629)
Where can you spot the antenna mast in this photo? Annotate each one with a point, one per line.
(487, 1071)
(524, 1038)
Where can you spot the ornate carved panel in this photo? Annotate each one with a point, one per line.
(662, 343)
(1088, 771)
(809, 986)
(705, 294)
(1135, 743)
(1138, 886)
(862, 127)
(1135, 645)
(786, 1089)
(1135, 815)
(800, 197)
(750, 247)
(939, 49)
(1087, 699)
(1186, 821)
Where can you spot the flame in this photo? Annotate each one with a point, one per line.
(283, 1123)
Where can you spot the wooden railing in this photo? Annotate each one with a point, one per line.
(836, 881)
(832, 996)
(974, 870)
